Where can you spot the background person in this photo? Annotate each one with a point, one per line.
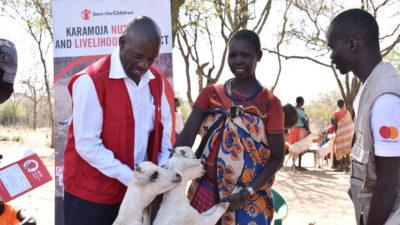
(8, 69)
(12, 215)
(178, 119)
(344, 128)
(353, 37)
(300, 131)
(228, 163)
(120, 117)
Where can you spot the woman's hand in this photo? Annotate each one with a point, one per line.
(235, 200)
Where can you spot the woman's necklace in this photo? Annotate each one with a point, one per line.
(228, 91)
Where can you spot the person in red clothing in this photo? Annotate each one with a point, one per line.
(120, 117)
(343, 125)
(12, 215)
(243, 138)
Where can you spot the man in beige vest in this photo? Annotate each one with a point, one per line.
(353, 37)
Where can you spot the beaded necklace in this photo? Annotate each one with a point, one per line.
(228, 91)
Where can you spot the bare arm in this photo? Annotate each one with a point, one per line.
(335, 121)
(277, 151)
(189, 132)
(386, 190)
(305, 123)
(326, 135)
(25, 218)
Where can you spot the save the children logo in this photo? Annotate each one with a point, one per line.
(389, 132)
(85, 14)
(31, 165)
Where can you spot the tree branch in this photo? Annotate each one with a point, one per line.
(279, 43)
(340, 84)
(264, 16)
(387, 50)
(297, 57)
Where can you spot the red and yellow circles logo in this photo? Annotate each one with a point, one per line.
(389, 132)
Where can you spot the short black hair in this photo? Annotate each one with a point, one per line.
(247, 35)
(332, 120)
(340, 102)
(356, 23)
(299, 99)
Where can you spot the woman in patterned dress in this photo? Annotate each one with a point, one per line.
(242, 139)
(344, 129)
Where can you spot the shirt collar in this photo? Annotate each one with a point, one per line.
(117, 71)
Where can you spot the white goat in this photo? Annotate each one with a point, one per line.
(326, 149)
(175, 208)
(147, 182)
(299, 147)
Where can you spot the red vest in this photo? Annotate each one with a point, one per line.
(118, 135)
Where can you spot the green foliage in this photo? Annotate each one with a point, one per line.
(17, 138)
(6, 112)
(4, 138)
(320, 110)
(394, 57)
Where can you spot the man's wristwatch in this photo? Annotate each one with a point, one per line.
(250, 190)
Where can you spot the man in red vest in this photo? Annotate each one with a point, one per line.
(120, 117)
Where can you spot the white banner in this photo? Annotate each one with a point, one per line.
(94, 27)
(85, 31)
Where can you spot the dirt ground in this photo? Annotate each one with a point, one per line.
(313, 198)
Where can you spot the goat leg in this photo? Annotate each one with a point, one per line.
(290, 155)
(147, 215)
(217, 211)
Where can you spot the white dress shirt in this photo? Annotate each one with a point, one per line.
(88, 122)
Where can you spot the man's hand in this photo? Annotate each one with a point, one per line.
(25, 218)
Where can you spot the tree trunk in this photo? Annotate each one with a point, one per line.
(175, 6)
(34, 116)
(27, 120)
(13, 118)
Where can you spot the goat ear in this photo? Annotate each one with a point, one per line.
(183, 152)
(172, 150)
(154, 176)
(138, 168)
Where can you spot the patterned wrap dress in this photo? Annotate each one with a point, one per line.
(234, 150)
(345, 130)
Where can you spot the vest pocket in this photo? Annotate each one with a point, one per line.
(93, 180)
(108, 186)
(88, 177)
(110, 135)
(358, 173)
(360, 153)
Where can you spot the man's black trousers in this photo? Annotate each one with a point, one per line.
(78, 211)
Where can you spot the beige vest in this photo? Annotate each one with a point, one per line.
(384, 79)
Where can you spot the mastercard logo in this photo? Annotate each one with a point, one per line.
(389, 132)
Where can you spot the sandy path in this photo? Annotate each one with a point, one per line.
(312, 197)
(319, 197)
